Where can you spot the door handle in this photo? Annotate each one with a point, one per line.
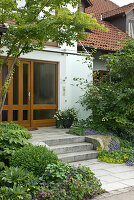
(29, 96)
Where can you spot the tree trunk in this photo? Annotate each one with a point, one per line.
(4, 90)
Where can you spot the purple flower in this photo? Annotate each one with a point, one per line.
(53, 196)
(36, 199)
(58, 185)
(114, 145)
(63, 190)
(48, 193)
(41, 193)
(47, 186)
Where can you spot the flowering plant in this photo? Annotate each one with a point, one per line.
(65, 118)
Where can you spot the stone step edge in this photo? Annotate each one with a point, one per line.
(60, 156)
(50, 142)
(71, 145)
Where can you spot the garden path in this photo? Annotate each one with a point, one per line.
(114, 177)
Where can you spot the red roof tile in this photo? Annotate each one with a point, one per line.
(124, 9)
(111, 40)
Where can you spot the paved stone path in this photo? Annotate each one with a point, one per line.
(114, 177)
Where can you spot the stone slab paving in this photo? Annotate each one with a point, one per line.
(114, 177)
(122, 194)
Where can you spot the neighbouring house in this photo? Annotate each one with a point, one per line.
(42, 84)
(119, 21)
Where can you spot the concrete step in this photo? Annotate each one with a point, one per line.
(78, 156)
(65, 140)
(75, 147)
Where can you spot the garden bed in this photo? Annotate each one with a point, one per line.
(34, 172)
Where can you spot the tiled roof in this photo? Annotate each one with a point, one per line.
(124, 9)
(111, 40)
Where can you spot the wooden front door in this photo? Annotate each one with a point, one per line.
(32, 98)
(17, 105)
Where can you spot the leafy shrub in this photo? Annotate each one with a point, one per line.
(2, 165)
(112, 101)
(22, 130)
(17, 183)
(12, 138)
(33, 158)
(64, 181)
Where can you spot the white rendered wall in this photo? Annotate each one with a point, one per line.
(76, 69)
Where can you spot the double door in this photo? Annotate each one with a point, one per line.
(32, 98)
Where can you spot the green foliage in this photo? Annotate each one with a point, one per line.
(12, 138)
(112, 102)
(15, 193)
(31, 26)
(70, 182)
(17, 183)
(33, 158)
(77, 131)
(17, 176)
(69, 114)
(16, 127)
(2, 165)
(58, 172)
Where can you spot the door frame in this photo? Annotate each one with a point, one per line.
(30, 107)
(47, 122)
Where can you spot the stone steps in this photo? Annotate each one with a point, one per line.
(65, 140)
(69, 148)
(78, 156)
(72, 148)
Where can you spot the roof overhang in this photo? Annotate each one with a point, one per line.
(88, 3)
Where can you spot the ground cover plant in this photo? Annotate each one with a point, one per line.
(12, 138)
(64, 181)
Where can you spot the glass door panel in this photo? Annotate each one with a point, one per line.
(15, 85)
(44, 114)
(25, 84)
(44, 83)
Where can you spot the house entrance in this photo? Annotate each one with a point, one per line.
(32, 98)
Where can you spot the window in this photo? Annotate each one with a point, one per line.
(131, 28)
(100, 76)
